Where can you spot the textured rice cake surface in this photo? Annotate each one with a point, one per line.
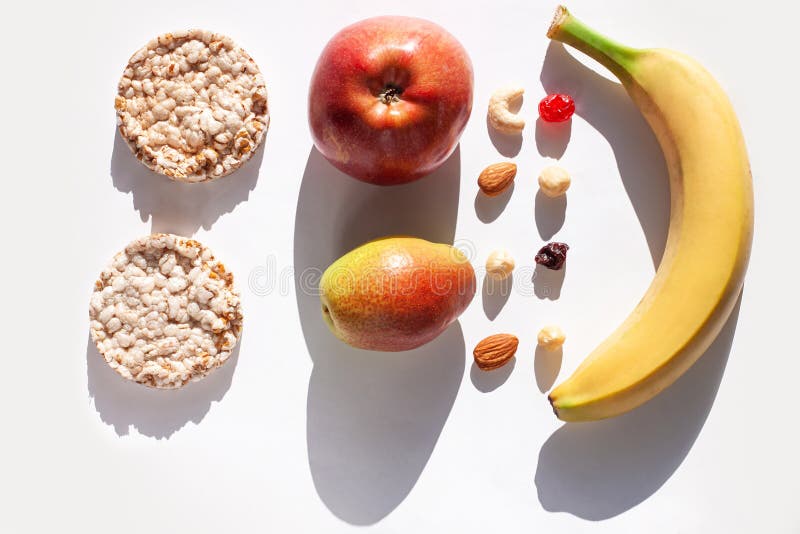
(164, 312)
(192, 105)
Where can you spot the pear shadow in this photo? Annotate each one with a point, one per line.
(157, 413)
(495, 294)
(547, 283)
(606, 106)
(175, 207)
(552, 138)
(507, 145)
(550, 214)
(489, 208)
(487, 381)
(546, 365)
(600, 469)
(373, 419)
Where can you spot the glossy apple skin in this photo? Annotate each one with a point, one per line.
(395, 293)
(407, 138)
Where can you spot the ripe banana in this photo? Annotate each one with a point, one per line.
(711, 226)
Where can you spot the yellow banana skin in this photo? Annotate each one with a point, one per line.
(710, 232)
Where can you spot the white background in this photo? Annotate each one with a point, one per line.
(302, 434)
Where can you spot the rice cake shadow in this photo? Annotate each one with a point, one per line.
(152, 412)
(175, 207)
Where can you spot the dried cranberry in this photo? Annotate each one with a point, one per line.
(556, 107)
(552, 255)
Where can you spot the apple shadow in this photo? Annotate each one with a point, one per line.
(153, 412)
(373, 419)
(606, 106)
(495, 294)
(176, 207)
(550, 214)
(600, 469)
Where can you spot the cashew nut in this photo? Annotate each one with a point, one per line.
(500, 117)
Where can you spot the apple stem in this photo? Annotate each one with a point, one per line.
(391, 94)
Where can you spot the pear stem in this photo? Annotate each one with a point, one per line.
(614, 56)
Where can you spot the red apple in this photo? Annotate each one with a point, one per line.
(389, 99)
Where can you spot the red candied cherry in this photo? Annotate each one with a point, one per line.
(556, 107)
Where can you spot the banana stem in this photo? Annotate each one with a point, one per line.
(615, 57)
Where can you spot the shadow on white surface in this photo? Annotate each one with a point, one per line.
(489, 208)
(373, 418)
(550, 214)
(508, 145)
(552, 138)
(546, 365)
(487, 381)
(495, 294)
(176, 207)
(547, 283)
(606, 106)
(601, 469)
(152, 412)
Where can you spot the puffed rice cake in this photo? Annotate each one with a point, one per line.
(192, 105)
(164, 312)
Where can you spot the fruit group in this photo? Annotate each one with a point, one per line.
(389, 99)
(395, 293)
(708, 244)
(556, 108)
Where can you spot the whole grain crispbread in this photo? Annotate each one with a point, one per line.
(192, 105)
(164, 312)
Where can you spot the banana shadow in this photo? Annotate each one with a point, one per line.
(175, 207)
(606, 106)
(153, 412)
(600, 469)
(373, 419)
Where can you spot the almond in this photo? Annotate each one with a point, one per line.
(495, 351)
(497, 177)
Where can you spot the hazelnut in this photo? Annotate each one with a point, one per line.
(554, 181)
(499, 264)
(551, 337)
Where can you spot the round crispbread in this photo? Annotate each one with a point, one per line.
(192, 105)
(164, 312)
